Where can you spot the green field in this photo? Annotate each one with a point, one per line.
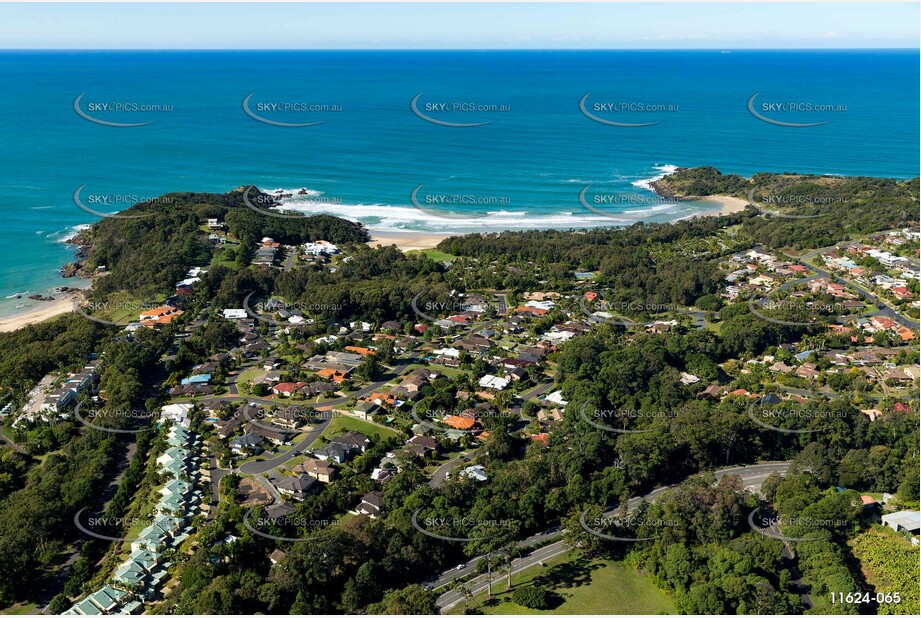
(19, 609)
(220, 258)
(581, 586)
(451, 372)
(341, 424)
(437, 256)
(249, 374)
(123, 307)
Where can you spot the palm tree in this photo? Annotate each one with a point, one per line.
(510, 549)
(465, 590)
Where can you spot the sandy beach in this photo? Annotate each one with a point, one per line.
(40, 313)
(407, 241)
(727, 205)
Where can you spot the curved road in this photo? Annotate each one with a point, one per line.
(259, 467)
(887, 310)
(752, 476)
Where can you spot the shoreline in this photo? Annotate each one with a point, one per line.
(40, 313)
(408, 241)
(404, 241)
(415, 241)
(727, 204)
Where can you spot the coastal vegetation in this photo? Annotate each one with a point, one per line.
(826, 209)
(708, 559)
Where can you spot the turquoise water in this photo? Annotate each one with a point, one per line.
(524, 169)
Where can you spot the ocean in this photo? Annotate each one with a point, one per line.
(427, 141)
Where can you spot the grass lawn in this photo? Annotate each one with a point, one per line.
(581, 586)
(220, 257)
(124, 307)
(341, 424)
(249, 374)
(451, 372)
(18, 609)
(344, 518)
(437, 256)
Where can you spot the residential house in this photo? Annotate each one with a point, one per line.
(317, 469)
(248, 443)
(371, 504)
(296, 487)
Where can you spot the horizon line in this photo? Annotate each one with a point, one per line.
(447, 49)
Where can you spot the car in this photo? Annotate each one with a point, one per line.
(428, 586)
(460, 567)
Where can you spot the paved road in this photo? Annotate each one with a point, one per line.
(217, 473)
(439, 476)
(537, 391)
(886, 311)
(9, 443)
(276, 497)
(402, 364)
(502, 301)
(752, 476)
(808, 393)
(259, 467)
(789, 555)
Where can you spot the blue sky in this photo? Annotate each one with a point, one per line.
(459, 26)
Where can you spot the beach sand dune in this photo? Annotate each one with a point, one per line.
(45, 311)
(407, 241)
(727, 205)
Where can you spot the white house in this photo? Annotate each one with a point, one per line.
(903, 520)
(235, 314)
(494, 382)
(557, 398)
(178, 413)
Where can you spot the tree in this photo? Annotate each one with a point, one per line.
(58, 604)
(814, 459)
(412, 600)
(533, 597)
